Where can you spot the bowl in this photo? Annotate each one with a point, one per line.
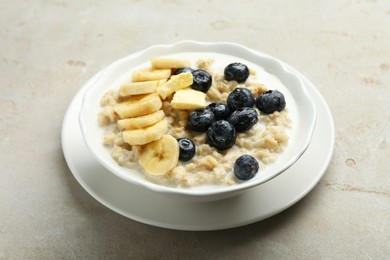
(300, 105)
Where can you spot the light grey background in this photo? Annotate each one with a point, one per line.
(49, 49)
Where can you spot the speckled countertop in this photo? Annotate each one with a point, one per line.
(49, 49)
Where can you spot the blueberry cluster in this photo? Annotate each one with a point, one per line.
(213, 120)
(221, 122)
(268, 102)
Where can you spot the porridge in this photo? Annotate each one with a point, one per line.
(188, 120)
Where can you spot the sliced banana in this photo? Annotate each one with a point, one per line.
(169, 63)
(161, 156)
(146, 135)
(139, 105)
(137, 88)
(141, 122)
(150, 74)
(188, 99)
(175, 83)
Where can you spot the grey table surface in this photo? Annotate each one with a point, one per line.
(49, 49)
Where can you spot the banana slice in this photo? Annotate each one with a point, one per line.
(168, 63)
(140, 122)
(137, 88)
(175, 83)
(146, 135)
(188, 99)
(150, 74)
(161, 156)
(139, 105)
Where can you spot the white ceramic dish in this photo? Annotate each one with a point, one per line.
(149, 207)
(301, 109)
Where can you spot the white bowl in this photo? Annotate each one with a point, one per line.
(301, 111)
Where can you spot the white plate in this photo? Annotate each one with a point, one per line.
(151, 208)
(301, 110)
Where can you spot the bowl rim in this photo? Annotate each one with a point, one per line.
(184, 191)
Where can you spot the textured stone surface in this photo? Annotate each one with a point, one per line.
(48, 49)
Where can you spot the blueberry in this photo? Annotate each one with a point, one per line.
(236, 71)
(221, 111)
(271, 101)
(186, 148)
(202, 80)
(240, 97)
(221, 135)
(182, 70)
(245, 167)
(200, 119)
(243, 118)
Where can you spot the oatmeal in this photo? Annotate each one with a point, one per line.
(221, 114)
